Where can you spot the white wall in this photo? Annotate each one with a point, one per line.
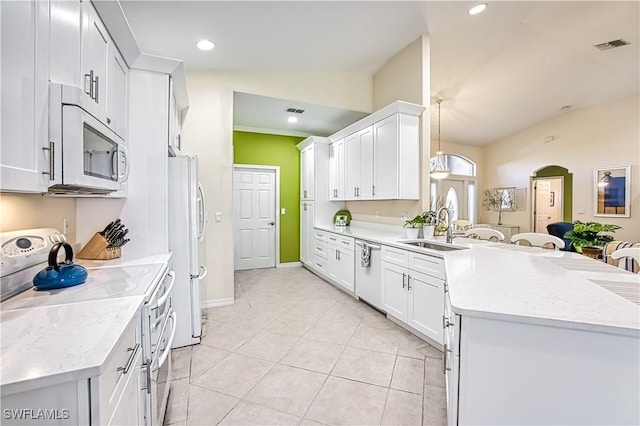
(404, 77)
(208, 132)
(600, 136)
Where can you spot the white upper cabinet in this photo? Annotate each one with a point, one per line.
(65, 29)
(307, 173)
(382, 154)
(95, 54)
(26, 158)
(359, 164)
(336, 170)
(117, 93)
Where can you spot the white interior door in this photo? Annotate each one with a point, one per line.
(254, 218)
(548, 208)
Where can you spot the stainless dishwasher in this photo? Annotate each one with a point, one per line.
(368, 278)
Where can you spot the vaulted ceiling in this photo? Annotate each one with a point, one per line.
(515, 65)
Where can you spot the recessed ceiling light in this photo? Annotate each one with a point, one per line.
(565, 108)
(477, 9)
(205, 45)
(292, 119)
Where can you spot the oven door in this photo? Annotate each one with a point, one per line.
(161, 371)
(93, 156)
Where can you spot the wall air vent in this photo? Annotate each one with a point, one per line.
(295, 110)
(611, 44)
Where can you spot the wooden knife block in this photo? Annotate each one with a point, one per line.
(96, 249)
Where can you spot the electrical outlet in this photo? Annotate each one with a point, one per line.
(404, 215)
(377, 214)
(218, 216)
(65, 226)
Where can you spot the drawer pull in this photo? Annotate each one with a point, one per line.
(347, 242)
(319, 265)
(127, 367)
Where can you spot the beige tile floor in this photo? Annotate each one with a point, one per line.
(294, 350)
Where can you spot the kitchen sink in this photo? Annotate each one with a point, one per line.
(432, 245)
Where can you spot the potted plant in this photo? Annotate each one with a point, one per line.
(413, 226)
(588, 239)
(429, 226)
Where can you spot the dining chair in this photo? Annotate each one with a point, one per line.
(629, 255)
(460, 224)
(480, 225)
(484, 234)
(537, 239)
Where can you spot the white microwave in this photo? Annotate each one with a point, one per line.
(92, 158)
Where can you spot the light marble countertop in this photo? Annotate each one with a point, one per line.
(525, 284)
(47, 345)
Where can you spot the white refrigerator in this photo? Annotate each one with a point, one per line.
(187, 223)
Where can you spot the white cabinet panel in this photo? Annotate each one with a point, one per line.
(352, 149)
(340, 261)
(95, 54)
(117, 93)
(365, 189)
(426, 304)
(65, 32)
(306, 231)
(394, 294)
(306, 173)
(413, 290)
(386, 158)
(24, 105)
(337, 171)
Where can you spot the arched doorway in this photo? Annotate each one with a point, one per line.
(552, 197)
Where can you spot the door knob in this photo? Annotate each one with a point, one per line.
(272, 223)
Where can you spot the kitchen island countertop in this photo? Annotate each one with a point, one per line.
(526, 284)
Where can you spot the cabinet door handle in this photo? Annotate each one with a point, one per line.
(357, 191)
(96, 89)
(445, 367)
(373, 190)
(354, 192)
(338, 253)
(52, 161)
(305, 193)
(90, 77)
(127, 367)
(409, 282)
(403, 278)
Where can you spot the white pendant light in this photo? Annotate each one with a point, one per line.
(439, 170)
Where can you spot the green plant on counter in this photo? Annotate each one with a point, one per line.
(416, 222)
(588, 234)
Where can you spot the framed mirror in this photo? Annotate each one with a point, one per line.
(611, 192)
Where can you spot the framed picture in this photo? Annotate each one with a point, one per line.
(612, 192)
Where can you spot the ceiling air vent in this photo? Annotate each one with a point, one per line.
(611, 44)
(295, 110)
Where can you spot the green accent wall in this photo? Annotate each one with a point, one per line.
(275, 150)
(557, 171)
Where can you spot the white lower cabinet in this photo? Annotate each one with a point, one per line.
(412, 290)
(340, 261)
(306, 231)
(115, 397)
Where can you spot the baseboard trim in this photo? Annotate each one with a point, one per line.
(289, 265)
(216, 303)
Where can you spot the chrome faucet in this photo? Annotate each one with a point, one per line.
(449, 233)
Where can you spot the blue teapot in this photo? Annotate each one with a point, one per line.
(60, 275)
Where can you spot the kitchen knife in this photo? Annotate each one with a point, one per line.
(113, 231)
(106, 229)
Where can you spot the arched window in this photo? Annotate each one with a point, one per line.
(457, 164)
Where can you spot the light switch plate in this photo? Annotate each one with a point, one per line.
(283, 211)
(218, 216)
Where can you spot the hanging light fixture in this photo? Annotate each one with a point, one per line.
(438, 169)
